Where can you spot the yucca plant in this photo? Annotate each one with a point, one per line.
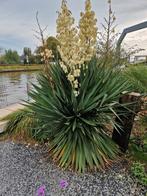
(75, 126)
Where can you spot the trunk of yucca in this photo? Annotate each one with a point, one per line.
(122, 135)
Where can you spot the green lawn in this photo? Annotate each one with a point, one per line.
(20, 67)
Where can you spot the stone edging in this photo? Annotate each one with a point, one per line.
(6, 111)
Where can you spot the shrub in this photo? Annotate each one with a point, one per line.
(76, 126)
(23, 125)
(138, 147)
(138, 171)
(137, 75)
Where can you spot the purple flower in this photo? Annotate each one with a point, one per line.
(63, 184)
(41, 191)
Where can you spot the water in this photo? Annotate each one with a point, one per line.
(14, 87)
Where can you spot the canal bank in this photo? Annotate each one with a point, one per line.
(6, 111)
(19, 68)
(14, 87)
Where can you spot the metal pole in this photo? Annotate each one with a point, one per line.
(129, 30)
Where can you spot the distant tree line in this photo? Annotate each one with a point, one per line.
(28, 57)
(10, 57)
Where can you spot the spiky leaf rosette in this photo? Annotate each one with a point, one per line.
(76, 126)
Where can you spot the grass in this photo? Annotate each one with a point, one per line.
(5, 68)
(137, 75)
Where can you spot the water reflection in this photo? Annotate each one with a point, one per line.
(14, 86)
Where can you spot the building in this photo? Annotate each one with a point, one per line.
(140, 58)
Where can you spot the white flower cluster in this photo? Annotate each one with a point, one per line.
(64, 67)
(46, 54)
(67, 36)
(76, 46)
(87, 33)
(72, 75)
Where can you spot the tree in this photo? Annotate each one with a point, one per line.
(1, 51)
(27, 53)
(107, 39)
(52, 44)
(45, 54)
(10, 57)
(38, 57)
(87, 33)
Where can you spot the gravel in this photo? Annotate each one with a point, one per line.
(24, 170)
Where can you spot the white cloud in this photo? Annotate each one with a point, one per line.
(17, 18)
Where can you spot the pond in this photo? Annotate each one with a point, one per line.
(14, 87)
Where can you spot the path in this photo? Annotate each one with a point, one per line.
(23, 170)
(8, 110)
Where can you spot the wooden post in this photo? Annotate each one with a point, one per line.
(122, 135)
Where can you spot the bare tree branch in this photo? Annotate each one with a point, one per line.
(40, 30)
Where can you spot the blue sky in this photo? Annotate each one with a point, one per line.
(17, 19)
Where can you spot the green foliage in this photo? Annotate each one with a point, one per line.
(52, 44)
(76, 126)
(29, 58)
(138, 170)
(17, 121)
(24, 123)
(137, 75)
(16, 67)
(143, 121)
(138, 147)
(10, 57)
(2, 59)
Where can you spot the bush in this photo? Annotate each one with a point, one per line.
(138, 147)
(76, 127)
(138, 171)
(22, 125)
(137, 75)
